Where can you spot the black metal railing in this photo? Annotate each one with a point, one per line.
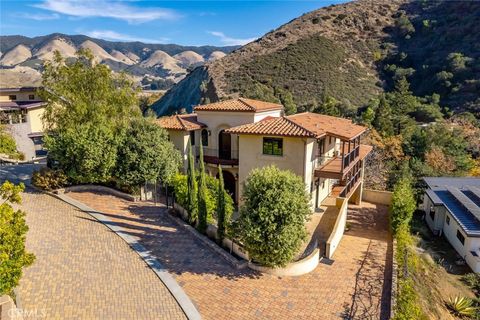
(218, 156)
(351, 184)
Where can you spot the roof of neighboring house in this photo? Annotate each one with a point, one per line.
(303, 125)
(186, 122)
(240, 105)
(19, 105)
(461, 198)
(35, 134)
(458, 182)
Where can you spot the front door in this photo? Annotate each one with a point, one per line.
(224, 145)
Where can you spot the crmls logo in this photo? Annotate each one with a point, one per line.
(27, 314)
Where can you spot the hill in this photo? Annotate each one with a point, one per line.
(21, 53)
(350, 52)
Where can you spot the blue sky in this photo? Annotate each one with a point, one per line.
(182, 22)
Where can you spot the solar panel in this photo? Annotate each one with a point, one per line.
(465, 201)
(474, 190)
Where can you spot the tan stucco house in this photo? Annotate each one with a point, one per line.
(243, 134)
(21, 111)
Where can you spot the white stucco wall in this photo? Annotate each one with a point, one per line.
(180, 140)
(21, 96)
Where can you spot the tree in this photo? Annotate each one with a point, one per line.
(403, 204)
(89, 108)
(86, 92)
(286, 98)
(192, 189)
(383, 118)
(13, 229)
(202, 195)
(272, 220)
(146, 154)
(7, 143)
(87, 153)
(223, 212)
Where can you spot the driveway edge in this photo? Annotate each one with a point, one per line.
(179, 295)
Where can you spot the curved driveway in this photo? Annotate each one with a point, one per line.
(83, 270)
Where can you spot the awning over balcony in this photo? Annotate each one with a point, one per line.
(332, 169)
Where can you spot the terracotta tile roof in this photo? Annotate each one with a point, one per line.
(275, 126)
(186, 122)
(303, 125)
(17, 105)
(241, 105)
(321, 124)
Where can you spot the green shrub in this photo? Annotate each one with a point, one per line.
(49, 179)
(7, 143)
(13, 256)
(403, 204)
(272, 220)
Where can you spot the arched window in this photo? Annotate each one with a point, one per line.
(204, 137)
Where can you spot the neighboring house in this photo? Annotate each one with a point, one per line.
(452, 207)
(243, 134)
(21, 110)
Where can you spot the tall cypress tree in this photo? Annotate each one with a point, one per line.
(221, 207)
(202, 196)
(192, 189)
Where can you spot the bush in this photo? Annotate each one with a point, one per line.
(461, 307)
(7, 144)
(49, 179)
(272, 220)
(13, 256)
(403, 204)
(179, 183)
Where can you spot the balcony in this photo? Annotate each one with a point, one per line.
(338, 167)
(219, 156)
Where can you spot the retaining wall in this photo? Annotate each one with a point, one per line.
(377, 196)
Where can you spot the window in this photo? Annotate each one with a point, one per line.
(12, 97)
(460, 237)
(321, 146)
(31, 97)
(273, 146)
(204, 137)
(330, 140)
(448, 220)
(192, 138)
(432, 215)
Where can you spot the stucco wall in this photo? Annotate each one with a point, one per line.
(376, 196)
(251, 156)
(21, 96)
(338, 229)
(34, 117)
(180, 140)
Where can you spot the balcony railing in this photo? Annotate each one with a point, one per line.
(216, 156)
(350, 157)
(351, 184)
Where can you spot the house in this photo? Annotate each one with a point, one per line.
(243, 134)
(21, 110)
(452, 209)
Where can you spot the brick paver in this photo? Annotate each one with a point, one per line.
(355, 286)
(84, 271)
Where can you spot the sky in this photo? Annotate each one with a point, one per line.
(219, 23)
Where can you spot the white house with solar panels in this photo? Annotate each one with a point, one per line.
(452, 207)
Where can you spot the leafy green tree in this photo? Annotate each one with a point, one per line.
(383, 118)
(401, 99)
(86, 92)
(87, 153)
(202, 195)
(403, 204)
(223, 212)
(89, 108)
(272, 220)
(13, 229)
(146, 154)
(368, 116)
(192, 190)
(286, 98)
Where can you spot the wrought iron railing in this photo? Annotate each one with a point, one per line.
(350, 157)
(217, 153)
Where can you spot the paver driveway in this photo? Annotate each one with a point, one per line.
(85, 271)
(355, 286)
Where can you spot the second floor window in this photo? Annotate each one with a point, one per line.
(12, 97)
(204, 137)
(273, 146)
(460, 237)
(31, 97)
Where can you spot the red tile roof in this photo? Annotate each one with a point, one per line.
(303, 125)
(240, 105)
(186, 122)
